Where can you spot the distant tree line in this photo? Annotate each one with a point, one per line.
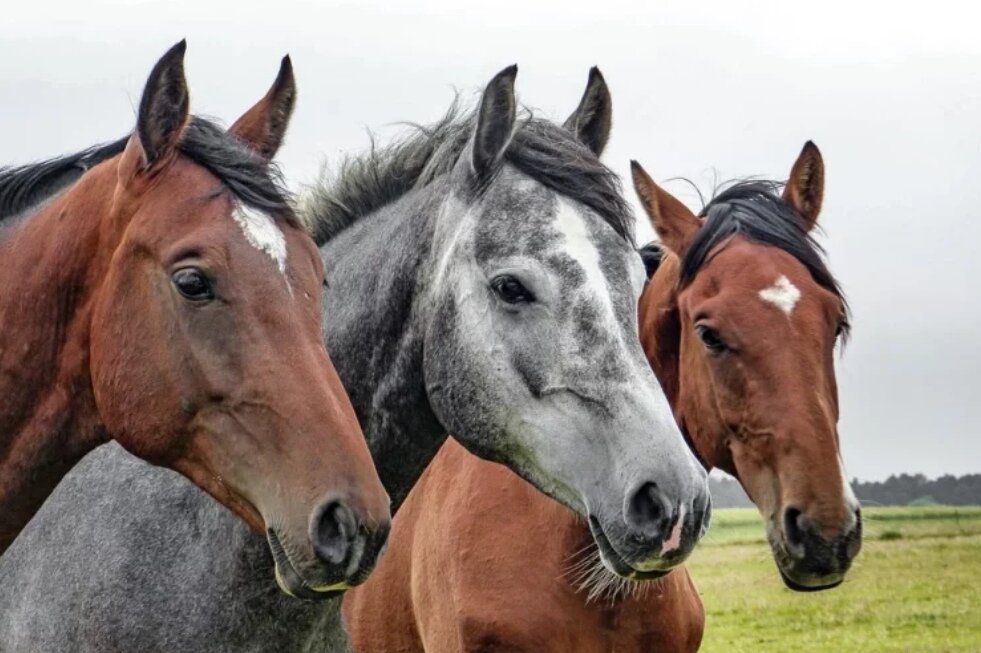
(897, 490)
(906, 489)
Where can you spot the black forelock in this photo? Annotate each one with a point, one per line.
(250, 178)
(756, 210)
(253, 180)
(539, 148)
(554, 157)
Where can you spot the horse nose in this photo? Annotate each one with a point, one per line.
(648, 514)
(805, 543)
(333, 530)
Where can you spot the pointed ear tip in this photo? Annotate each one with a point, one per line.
(503, 81)
(597, 83)
(639, 172)
(508, 73)
(285, 75)
(173, 58)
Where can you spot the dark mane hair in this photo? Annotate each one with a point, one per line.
(251, 179)
(651, 254)
(756, 210)
(539, 148)
(25, 186)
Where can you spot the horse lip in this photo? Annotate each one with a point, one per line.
(798, 587)
(785, 560)
(612, 559)
(290, 581)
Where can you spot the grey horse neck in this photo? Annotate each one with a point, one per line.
(373, 333)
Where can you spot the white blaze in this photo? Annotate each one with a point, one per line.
(262, 233)
(782, 294)
(581, 248)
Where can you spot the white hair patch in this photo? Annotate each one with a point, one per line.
(782, 294)
(583, 250)
(262, 233)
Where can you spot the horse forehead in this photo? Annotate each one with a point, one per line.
(601, 254)
(525, 218)
(516, 219)
(782, 294)
(756, 268)
(760, 284)
(261, 232)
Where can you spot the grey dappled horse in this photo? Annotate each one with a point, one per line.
(481, 280)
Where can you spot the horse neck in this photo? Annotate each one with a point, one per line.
(373, 329)
(48, 418)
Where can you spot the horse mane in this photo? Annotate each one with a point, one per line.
(651, 254)
(756, 210)
(25, 186)
(539, 148)
(250, 178)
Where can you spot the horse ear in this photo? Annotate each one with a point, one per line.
(593, 118)
(674, 223)
(495, 123)
(805, 187)
(264, 125)
(164, 106)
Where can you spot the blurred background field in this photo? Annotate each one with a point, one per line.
(915, 587)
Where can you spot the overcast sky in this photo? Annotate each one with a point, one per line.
(890, 91)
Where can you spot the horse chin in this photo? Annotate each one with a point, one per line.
(807, 583)
(796, 579)
(612, 560)
(289, 580)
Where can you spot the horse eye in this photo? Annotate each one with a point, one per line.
(710, 338)
(192, 284)
(510, 290)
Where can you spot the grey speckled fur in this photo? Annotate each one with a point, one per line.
(136, 558)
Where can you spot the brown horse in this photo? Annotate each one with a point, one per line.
(168, 298)
(740, 322)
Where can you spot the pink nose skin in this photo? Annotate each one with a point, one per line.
(674, 540)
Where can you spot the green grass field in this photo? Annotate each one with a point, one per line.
(916, 586)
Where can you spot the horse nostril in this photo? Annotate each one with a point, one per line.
(647, 511)
(793, 530)
(333, 531)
